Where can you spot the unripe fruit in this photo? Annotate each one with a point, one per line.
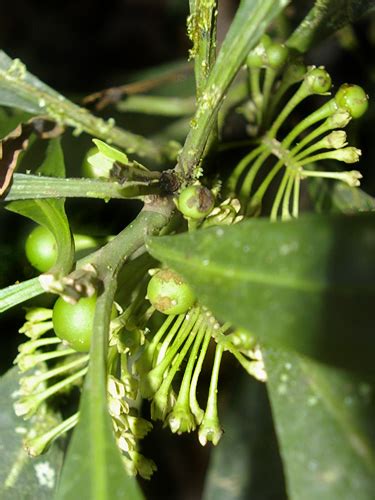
(257, 57)
(353, 99)
(169, 293)
(277, 55)
(74, 322)
(196, 202)
(41, 249)
(318, 81)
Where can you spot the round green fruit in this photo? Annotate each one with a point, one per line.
(318, 81)
(41, 249)
(353, 99)
(169, 293)
(74, 322)
(277, 55)
(196, 202)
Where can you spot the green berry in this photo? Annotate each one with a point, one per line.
(41, 249)
(277, 55)
(257, 57)
(196, 202)
(169, 293)
(353, 99)
(317, 81)
(74, 322)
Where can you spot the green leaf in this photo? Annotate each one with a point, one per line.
(326, 17)
(338, 197)
(250, 442)
(22, 477)
(110, 152)
(325, 422)
(22, 90)
(20, 292)
(10, 118)
(250, 22)
(93, 463)
(306, 285)
(50, 213)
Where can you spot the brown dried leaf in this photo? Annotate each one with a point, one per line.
(10, 148)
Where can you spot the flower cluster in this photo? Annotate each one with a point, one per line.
(316, 138)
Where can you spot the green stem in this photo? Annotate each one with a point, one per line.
(25, 187)
(174, 367)
(297, 184)
(285, 215)
(256, 94)
(194, 405)
(202, 31)
(46, 101)
(158, 357)
(157, 105)
(320, 114)
(293, 102)
(279, 195)
(247, 27)
(241, 166)
(269, 79)
(36, 446)
(249, 179)
(258, 195)
(183, 395)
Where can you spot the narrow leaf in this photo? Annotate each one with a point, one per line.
(250, 22)
(306, 285)
(93, 463)
(326, 17)
(20, 292)
(20, 89)
(22, 477)
(325, 422)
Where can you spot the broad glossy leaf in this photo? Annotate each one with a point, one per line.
(246, 463)
(306, 285)
(22, 477)
(50, 212)
(326, 17)
(334, 197)
(325, 422)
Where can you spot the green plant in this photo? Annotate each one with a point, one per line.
(169, 293)
(40, 249)
(74, 322)
(244, 280)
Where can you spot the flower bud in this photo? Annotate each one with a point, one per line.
(339, 119)
(336, 140)
(348, 155)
